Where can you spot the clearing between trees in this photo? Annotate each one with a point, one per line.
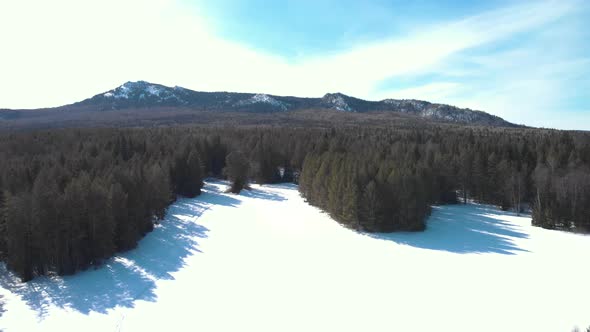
(265, 260)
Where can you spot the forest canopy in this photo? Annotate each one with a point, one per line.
(71, 198)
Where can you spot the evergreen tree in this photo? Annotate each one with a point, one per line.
(44, 223)
(350, 202)
(100, 223)
(19, 235)
(126, 232)
(370, 208)
(194, 174)
(159, 189)
(236, 170)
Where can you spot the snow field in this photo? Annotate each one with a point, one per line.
(265, 260)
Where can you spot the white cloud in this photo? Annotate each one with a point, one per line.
(61, 51)
(525, 85)
(434, 92)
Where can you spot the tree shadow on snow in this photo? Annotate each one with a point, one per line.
(258, 194)
(222, 186)
(283, 185)
(130, 276)
(463, 229)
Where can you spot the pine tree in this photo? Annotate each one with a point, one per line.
(76, 221)
(159, 190)
(236, 170)
(194, 176)
(100, 223)
(187, 173)
(18, 235)
(466, 172)
(319, 190)
(44, 223)
(370, 209)
(266, 169)
(335, 187)
(126, 233)
(350, 201)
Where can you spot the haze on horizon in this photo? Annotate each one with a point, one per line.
(525, 61)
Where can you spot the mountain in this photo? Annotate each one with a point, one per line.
(147, 104)
(141, 94)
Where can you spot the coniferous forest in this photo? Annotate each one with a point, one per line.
(71, 198)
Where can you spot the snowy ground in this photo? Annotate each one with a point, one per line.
(267, 261)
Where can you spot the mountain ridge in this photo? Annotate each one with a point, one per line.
(141, 104)
(143, 94)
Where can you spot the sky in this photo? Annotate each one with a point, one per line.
(526, 61)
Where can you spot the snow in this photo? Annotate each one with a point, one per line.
(263, 99)
(118, 93)
(153, 90)
(338, 102)
(140, 88)
(265, 260)
(127, 86)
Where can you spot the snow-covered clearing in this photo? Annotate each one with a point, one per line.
(267, 261)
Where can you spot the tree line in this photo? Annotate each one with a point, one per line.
(382, 180)
(69, 199)
(72, 199)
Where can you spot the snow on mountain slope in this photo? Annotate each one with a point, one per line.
(337, 101)
(443, 112)
(138, 94)
(142, 95)
(261, 98)
(266, 261)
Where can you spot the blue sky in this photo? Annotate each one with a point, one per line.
(526, 61)
(296, 29)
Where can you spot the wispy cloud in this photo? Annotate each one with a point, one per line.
(539, 78)
(62, 51)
